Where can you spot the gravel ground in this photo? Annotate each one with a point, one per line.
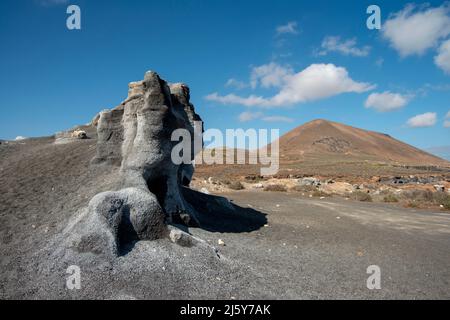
(276, 245)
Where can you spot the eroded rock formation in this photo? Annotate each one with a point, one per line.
(136, 137)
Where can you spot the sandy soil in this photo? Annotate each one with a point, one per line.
(276, 245)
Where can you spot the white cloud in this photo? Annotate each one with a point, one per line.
(346, 47)
(289, 28)
(413, 31)
(318, 81)
(423, 120)
(442, 60)
(249, 116)
(386, 101)
(277, 119)
(233, 83)
(232, 98)
(447, 120)
(269, 75)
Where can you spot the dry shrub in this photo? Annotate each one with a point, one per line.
(446, 203)
(418, 197)
(305, 189)
(362, 196)
(319, 193)
(235, 185)
(412, 204)
(275, 187)
(390, 198)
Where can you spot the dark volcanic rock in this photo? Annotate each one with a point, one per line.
(136, 137)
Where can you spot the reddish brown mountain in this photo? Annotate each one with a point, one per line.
(326, 140)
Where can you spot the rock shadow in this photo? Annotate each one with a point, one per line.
(218, 214)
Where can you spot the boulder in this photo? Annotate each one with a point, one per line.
(117, 219)
(309, 181)
(79, 134)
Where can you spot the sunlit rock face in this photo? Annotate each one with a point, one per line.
(136, 136)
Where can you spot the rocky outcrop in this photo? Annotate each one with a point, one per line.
(136, 137)
(115, 220)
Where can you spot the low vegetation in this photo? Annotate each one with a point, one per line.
(319, 193)
(390, 198)
(275, 188)
(305, 189)
(235, 185)
(361, 196)
(446, 203)
(418, 198)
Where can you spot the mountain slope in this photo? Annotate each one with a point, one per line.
(443, 152)
(324, 139)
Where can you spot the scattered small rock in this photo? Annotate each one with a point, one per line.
(181, 238)
(79, 134)
(310, 181)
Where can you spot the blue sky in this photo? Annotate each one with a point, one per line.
(249, 64)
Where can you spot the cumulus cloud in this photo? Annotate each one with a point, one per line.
(447, 120)
(277, 119)
(249, 116)
(289, 28)
(346, 47)
(414, 30)
(233, 83)
(318, 81)
(386, 101)
(427, 119)
(442, 59)
(269, 75)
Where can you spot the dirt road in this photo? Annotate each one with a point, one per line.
(321, 248)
